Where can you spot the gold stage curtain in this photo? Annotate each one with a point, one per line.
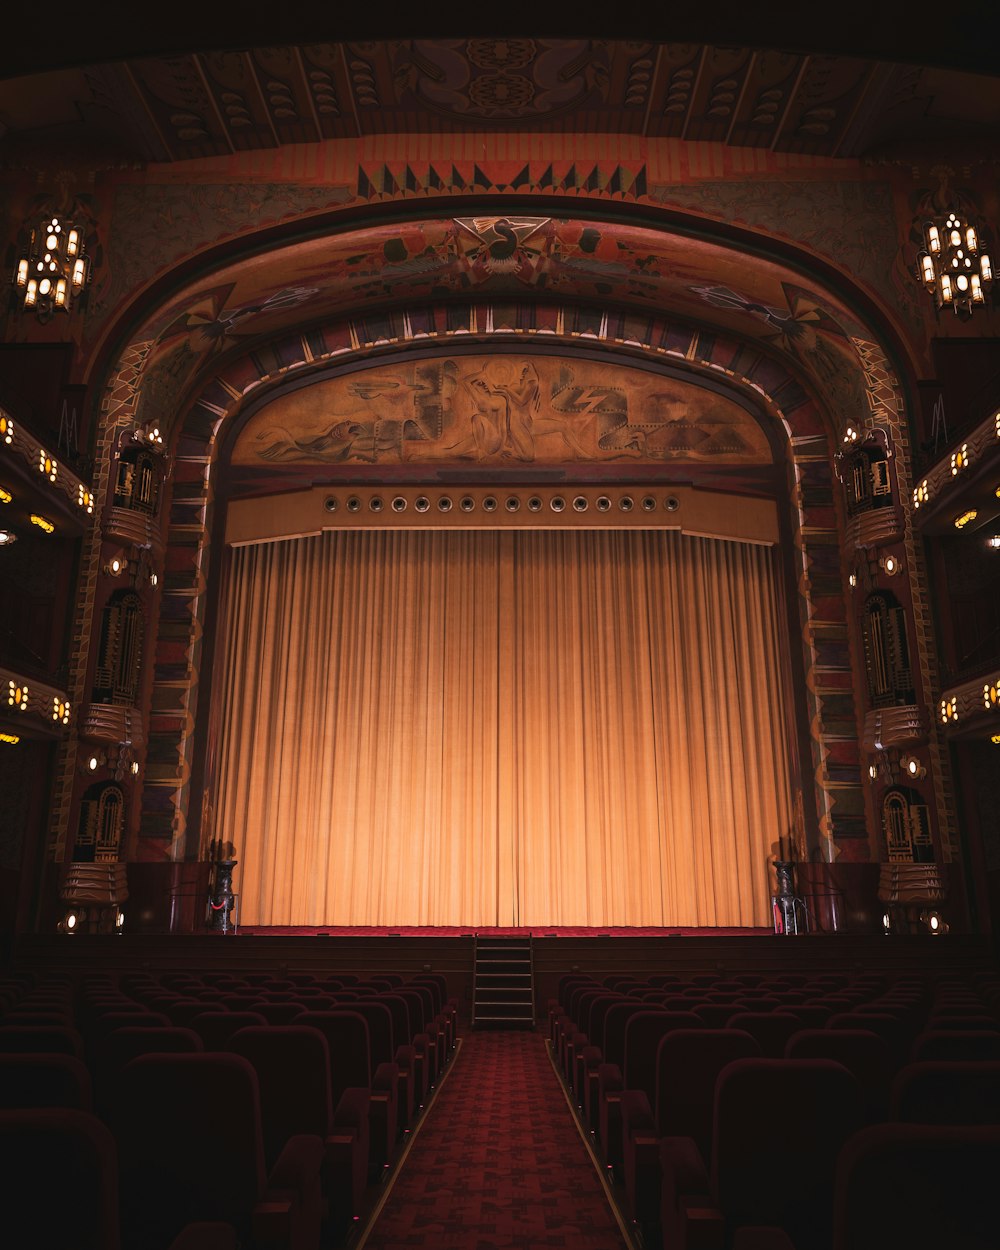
(576, 727)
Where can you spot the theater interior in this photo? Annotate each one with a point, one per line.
(500, 631)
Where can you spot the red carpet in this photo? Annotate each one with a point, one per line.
(499, 1163)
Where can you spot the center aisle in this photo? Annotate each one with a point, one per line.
(499, 1163)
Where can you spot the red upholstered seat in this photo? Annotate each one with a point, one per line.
(779, 1125)
(974, 1045)
(943, 1092)
(190, 1148)
(351, 1067)
(59, 1180)
(44, 1081)
(643, 1034)
(772, 1029)
(41, 1039)
(918, 1186)
(216, 1028)
(861, 1052)
(687, 1066)
(293, 1072)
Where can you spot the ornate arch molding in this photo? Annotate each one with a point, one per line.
(150, 384)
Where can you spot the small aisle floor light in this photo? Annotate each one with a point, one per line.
(954, 266)
(54, 269)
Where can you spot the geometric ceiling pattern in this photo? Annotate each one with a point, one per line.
(215, 103)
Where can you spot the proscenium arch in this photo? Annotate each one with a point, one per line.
(802, 431)
(213, 391)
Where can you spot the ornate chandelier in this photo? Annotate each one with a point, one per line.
(953, 265)
(54, 270)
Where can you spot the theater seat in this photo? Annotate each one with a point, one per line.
(190, 1148)
(864, 1054)
(59, 1181)
(779, 1125)
(643, 1034)
(351, 1066)
(687, 1067)
(918, 1187)
(292, 1063)
(44, 1081)
(39, 1039)
(973, 1046)
(945, 1092)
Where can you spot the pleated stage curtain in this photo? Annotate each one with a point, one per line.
(485, 728)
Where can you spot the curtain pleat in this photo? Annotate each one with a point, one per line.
(521, 727)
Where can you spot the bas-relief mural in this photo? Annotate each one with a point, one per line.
(493, 409)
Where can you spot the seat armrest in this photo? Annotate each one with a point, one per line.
(271, 1223)
(688, 1170)
(609, 1077)
(299, 1162)
(385, 1079)
(637, 1117)
(352, 1109)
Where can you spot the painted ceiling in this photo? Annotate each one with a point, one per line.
(188, 105)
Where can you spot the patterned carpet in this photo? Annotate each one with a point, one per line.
(499, 1163)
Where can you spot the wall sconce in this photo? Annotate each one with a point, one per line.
(53, 270)
(70, 923)
(116, 564)
(89, 764)
(912, 767)
(953, 265)
(7, 537)
(17, 696)
(890, 565)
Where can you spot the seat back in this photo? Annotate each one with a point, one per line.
(642, 1042)
(973, 1046)
(947, 1092)
(615, 1026)
(688, 1064)
(190, 1145)
(60, 1180)
(917, 1185)
(216, 1028)
(44, 1081)
(779, 1125)
(861, 1052)
(772, 1030)
(292, 1063)
(39, 1039)
(346, 1034)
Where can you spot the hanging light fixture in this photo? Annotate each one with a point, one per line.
(954, 266)
(54, 270)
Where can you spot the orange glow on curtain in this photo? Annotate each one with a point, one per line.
(483, 728)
